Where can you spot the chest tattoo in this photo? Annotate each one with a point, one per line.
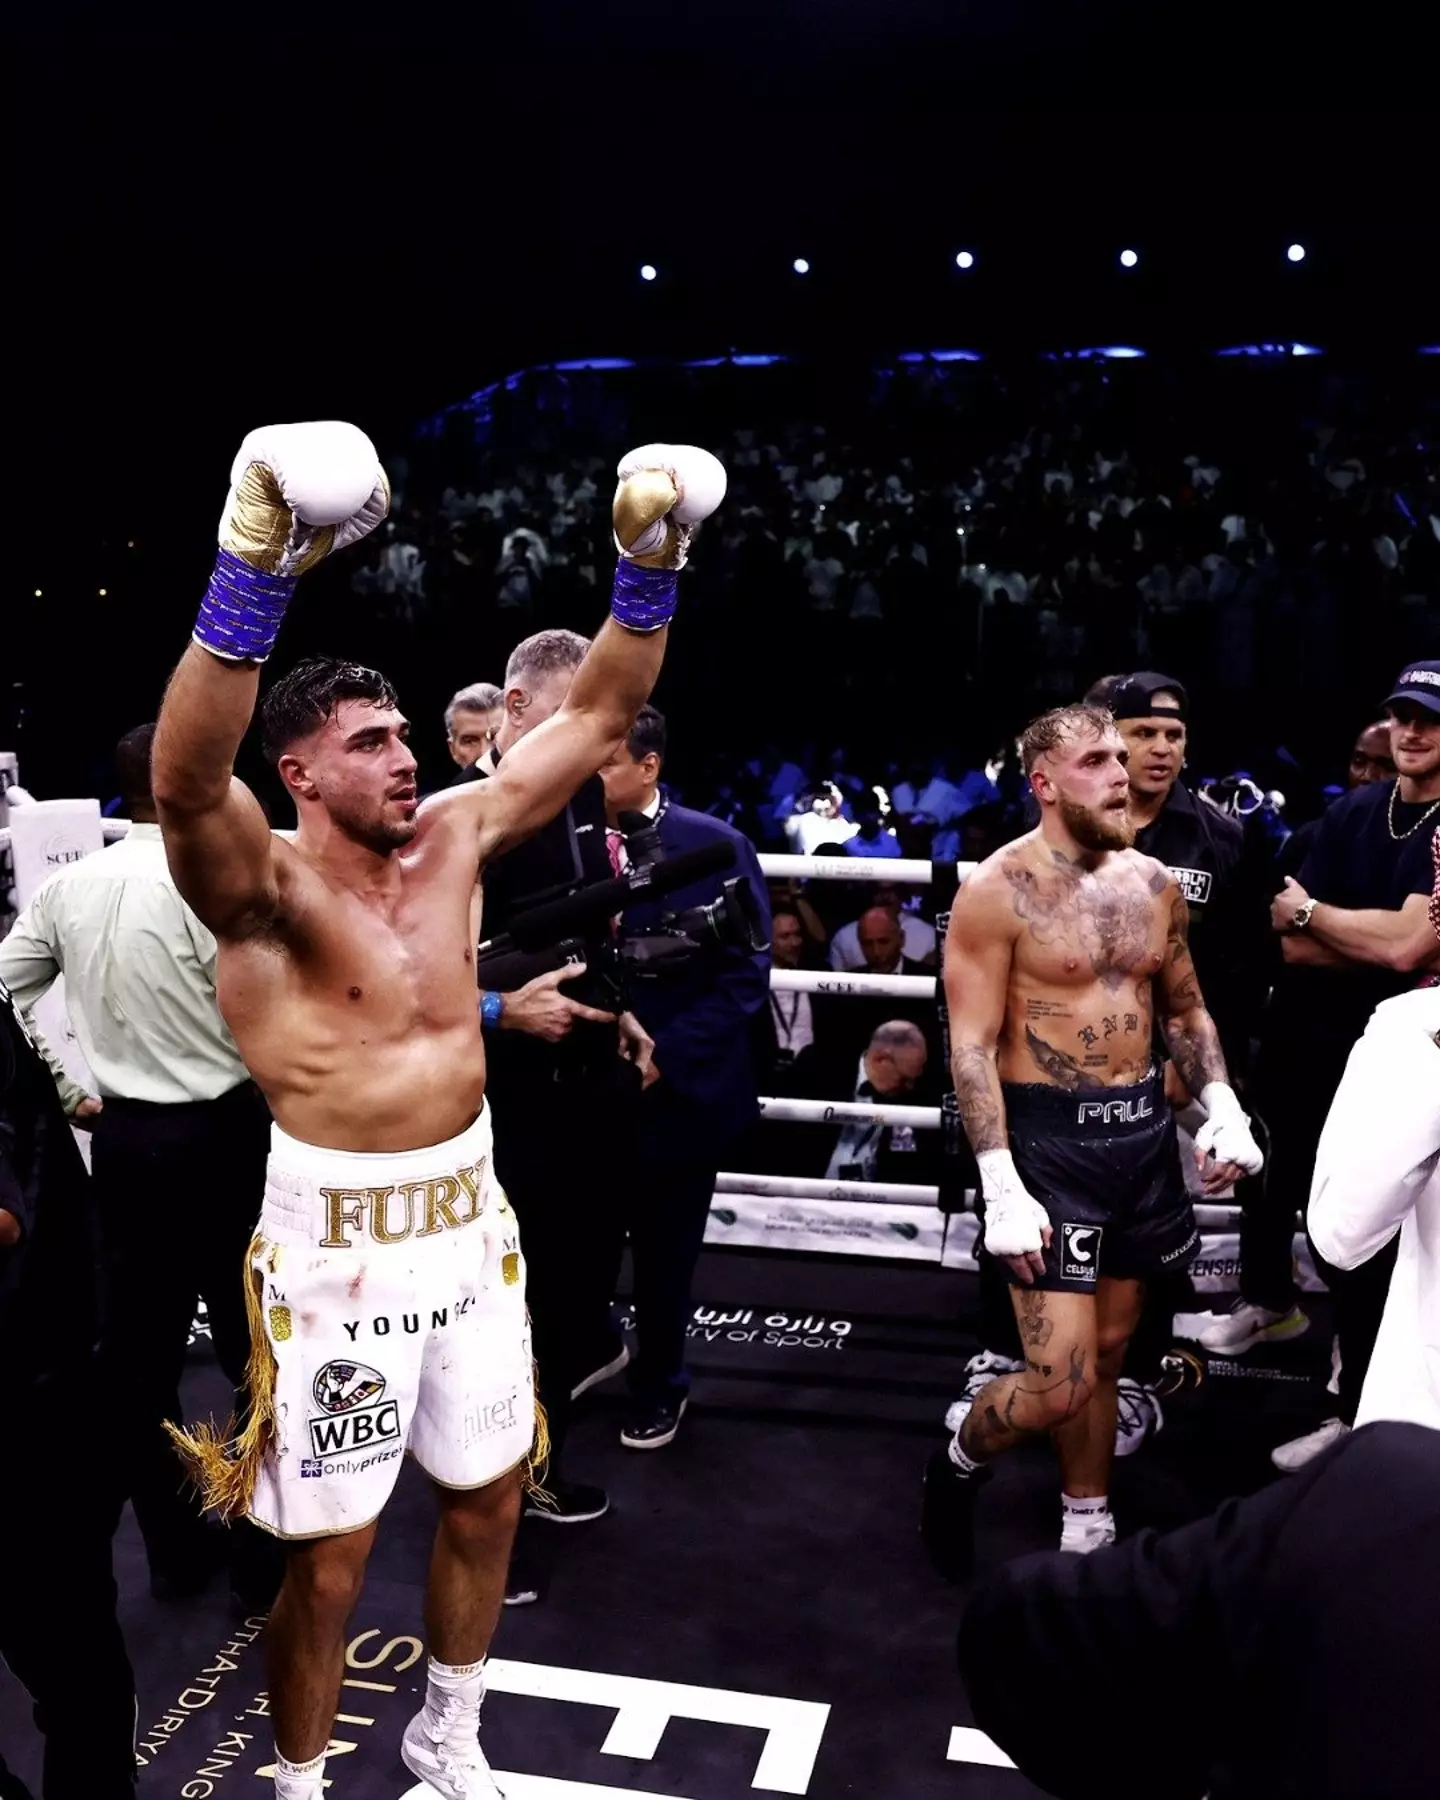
(1109, 923)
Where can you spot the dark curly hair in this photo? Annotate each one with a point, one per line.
(303, 700)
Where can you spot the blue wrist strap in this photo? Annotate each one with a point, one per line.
(643, 599)
(242, 611)
(492, 1009)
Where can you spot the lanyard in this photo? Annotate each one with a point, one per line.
(786, 1025)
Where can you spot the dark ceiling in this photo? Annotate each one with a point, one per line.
(375, 218)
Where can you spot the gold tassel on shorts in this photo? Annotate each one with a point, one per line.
(537, 1464)
(224, 1465)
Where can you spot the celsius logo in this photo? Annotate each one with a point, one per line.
(1080, 1252)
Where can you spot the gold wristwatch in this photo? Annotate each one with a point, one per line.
(1302, 915)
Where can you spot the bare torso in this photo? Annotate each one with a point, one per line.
(1079, 1012)
(356, 1010)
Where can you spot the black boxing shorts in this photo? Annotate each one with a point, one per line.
(1105, 1165)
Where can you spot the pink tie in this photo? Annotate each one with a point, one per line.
(612, 845)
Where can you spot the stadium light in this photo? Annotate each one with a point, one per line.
(1128, 259)
(1296, 253)
(648, 271)
(800, 266)
(965, 259)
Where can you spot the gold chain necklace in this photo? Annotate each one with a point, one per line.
(1400, 836)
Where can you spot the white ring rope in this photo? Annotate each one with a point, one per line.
(850, 1112)
(1208, 1217)
(860, 981)
(904, 871)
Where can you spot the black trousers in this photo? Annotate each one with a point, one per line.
(563, 1154)
(1297, 1091)
(1296, 1078)
(60, 1501)
(668, 1204)
(180, 1192)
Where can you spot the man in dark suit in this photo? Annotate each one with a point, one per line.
(1304, 1620)
(704, 1018)
(850, 1021)
(894, 1070)
(563, 1077)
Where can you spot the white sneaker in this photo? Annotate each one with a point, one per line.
(1292, 1457)
(1137, 1414)
(980, 1371)
(443, 1748)
(1242, 1328)
(1083, 1533)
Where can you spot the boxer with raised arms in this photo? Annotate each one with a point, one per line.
(385, 1278)
(1062, 947)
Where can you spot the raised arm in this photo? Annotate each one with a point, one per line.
(297, 493)
(1224, 1147)
(664, 491)
(217, 840)
(540, 773)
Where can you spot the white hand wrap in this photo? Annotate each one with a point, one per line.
(1225, 1135)
(1014, 1219)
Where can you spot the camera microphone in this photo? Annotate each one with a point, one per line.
(569, 917)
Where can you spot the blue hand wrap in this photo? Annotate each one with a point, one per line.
(242, 611)
(643, 599)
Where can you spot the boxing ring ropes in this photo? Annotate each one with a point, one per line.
(889, 1220)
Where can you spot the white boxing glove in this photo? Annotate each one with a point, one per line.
(1016, 1224)
(664, 492)
(1226, 1134)
(297, 492)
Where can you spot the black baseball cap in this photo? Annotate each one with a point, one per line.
(1420, 682)
(1133, 696)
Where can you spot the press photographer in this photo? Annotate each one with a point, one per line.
(564, 1079)
(699, 961)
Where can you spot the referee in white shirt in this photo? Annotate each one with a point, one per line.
(179, 1148)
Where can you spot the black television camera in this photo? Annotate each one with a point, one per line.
(576, 926)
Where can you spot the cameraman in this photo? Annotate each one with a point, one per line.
(706, 1014)
(564, 1078)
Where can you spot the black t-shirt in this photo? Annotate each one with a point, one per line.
(566, 854)
(1228, 881)
(1355, 861)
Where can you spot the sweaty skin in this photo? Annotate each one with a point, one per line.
(345, 966)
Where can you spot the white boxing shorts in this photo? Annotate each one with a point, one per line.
(392, 1291)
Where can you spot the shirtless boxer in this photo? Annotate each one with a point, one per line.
(386, 1283)
(1060, 947)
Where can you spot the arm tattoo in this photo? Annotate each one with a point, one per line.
(1188, 1029)
(977, 1092)
(1058, 1065)
(1195, 1047)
